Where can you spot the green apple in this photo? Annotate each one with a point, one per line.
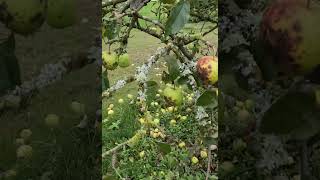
(25, 17)
(124, 60)
(207, 68)
(173, 95)
(24, 151)
(110, 60)
(52, 120)
(61, 13)
(289, 28)
(25, 134)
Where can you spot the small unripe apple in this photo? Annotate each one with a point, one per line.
(173, 95)
(110, 112)
(52, 120)
(10, 174)
(142, 154)
(173, 122)
(78, 107)
(26, 134)
(19, 141)
(194, 160)
(182, 144)
(25, 16)
(239, 145)
(124, 60)
(203, 154)
(207, 68)
(136, 138)
(289, 29)
(110, 60)
(120, 101)
(61, 13)
(24, 151)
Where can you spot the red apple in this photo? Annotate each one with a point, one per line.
(207, 68)
(290, 29)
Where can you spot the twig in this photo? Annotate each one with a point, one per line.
(209, 164)
(107, 153)
(113, 164)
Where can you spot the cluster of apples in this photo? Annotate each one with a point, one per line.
(25, 17)
(112, 61)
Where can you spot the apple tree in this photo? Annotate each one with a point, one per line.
(191, 66)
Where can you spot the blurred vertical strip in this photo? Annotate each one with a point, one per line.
(50, 89)
(269, 82)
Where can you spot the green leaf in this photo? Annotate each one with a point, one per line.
(178, 17)
(164, 147)
(165, 77)
(208, 98)
(105, 80)
(288, 113)
(111, 29)
(173, 67)
(183, 81)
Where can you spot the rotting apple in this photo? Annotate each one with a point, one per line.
(207, 68)
(289, 30)
(173, 95)
(110, 60)
(24, 17)
(61, 13)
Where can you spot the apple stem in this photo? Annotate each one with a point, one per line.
(308, 3)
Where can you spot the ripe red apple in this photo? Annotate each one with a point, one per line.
(207, 68)
(290, 29)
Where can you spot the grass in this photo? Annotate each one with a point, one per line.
(162, 158)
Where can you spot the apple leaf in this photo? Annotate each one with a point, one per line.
(183, 81)
(111, 29)
(105, 81)
(178, 17)
(208, 98)
(173, 68)
(288, 114)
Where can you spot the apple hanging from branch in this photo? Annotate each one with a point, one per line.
(289, 31)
